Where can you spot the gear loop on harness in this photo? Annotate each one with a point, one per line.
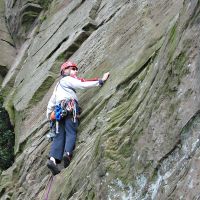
(66, 108)
(69, 108)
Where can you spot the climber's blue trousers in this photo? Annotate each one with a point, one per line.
(65, 140)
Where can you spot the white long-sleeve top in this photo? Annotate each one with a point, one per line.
(65, 89)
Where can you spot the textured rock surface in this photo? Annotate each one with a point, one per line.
(143, 142)
(21, 16)
(8, 51)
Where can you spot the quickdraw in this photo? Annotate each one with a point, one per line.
(64, 109)
(68, 107)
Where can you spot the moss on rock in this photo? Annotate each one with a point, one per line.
(45, 3)
(7, 139)
(41, 91)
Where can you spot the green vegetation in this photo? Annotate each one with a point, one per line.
(6, 139)
(41, 91)
(45, 3)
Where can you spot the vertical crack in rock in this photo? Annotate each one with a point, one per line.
(194, 16)
(41, 91)
(78, 41)
(50, 55)
(76, 7)
(8, 42)
(133, 75)
(75, 45)
(50, 37)
(175, 164)
(110, 17)
(135, 139)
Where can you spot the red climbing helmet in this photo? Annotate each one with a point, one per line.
(67, 65)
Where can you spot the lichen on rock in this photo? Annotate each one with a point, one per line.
(138, 135)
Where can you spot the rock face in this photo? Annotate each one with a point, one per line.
(8, 51)
(21, 16)
(139, 134)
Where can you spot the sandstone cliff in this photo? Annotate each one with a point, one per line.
(139, 134)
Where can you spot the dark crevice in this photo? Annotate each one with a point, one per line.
(9, 30)
(180, 140)
(46, 28)
(132, 76)
(21, 81)
(3, 190)
(41, 91)
(3, 70)
(31, 7)
(171, 192)
(195, 18)
(134, 87)
(14, 3)
(72, 192)
(90, 27)
(100, 9)
(59, 197)
(20, 99)
(8, 43)
(59, 45)
(176, 146)
(111, 16)
(81, 38)
(45, 4)
(107, 20)
(50, 37)
(76, 7)
(87, 31)
(68, 53)
(7, 139)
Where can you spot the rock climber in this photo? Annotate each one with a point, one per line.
(64, 109)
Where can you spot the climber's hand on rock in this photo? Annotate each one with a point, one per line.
(105, 76)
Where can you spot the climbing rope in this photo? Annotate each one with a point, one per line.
(49, 184)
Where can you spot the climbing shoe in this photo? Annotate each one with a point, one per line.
(66, 160)
(53, 167)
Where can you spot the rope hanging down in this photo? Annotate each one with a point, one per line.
(49, 184)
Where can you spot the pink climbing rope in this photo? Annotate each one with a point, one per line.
(49, 188)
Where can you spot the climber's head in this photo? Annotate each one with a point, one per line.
(68, 68)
